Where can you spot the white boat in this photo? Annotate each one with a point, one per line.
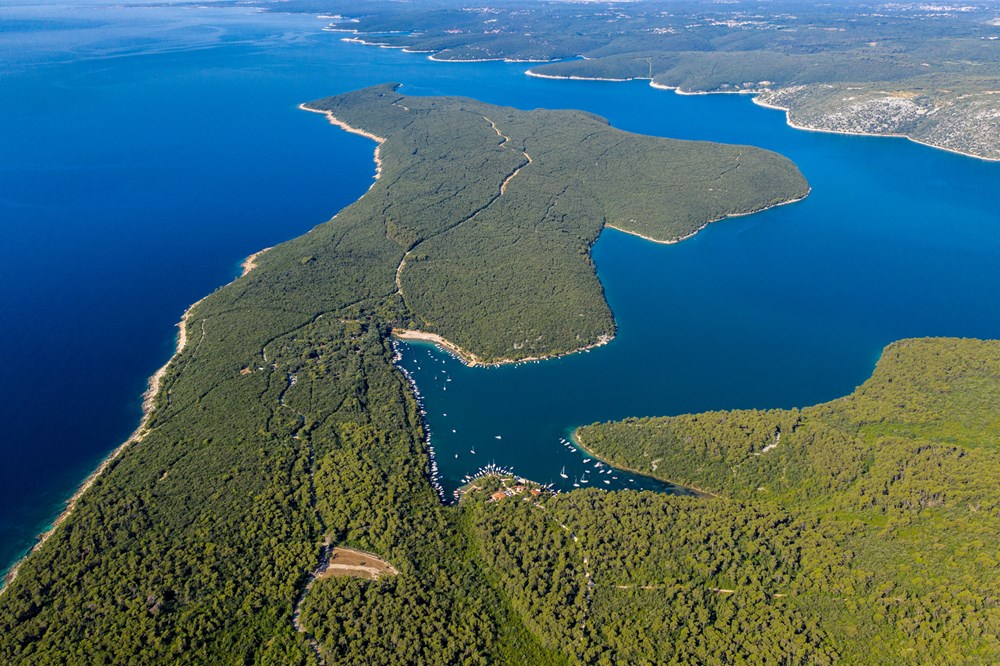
(576, 484)
(606, 481)
(499, 437)
(586, 460)
(563, 472)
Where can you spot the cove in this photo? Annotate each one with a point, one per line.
(786, 308)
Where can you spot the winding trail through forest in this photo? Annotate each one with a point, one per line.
(472, 216)
(506, 140)
(586, 567)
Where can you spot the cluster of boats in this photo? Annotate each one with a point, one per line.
(446, 377)
(434, 473)
(599, 468)
(601, 472)
(493, 469)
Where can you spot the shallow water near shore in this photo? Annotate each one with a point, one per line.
(142, 172)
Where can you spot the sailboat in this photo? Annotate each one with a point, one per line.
(584, 479)
(563, 472)
(473, 451)
(576, 484)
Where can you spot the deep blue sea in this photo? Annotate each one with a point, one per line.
(145, 150)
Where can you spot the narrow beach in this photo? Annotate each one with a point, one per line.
(148, 402)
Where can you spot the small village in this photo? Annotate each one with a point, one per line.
(500, 483)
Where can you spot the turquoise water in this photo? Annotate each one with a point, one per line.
(145, 152)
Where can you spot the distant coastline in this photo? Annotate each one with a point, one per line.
(680, 91)
(535, 74)
(808, 128)
(756, 100)
(498, 59)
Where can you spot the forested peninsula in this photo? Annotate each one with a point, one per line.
(281, 428)
(284, 448)
(485, 215)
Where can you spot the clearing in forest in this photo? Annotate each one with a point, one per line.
(348, 562)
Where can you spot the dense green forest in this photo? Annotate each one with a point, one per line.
(898, 483)
(486, 214)
(928, 71)
(860, 531)
(282, 426)
(871, 539)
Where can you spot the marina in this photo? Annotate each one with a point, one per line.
(456, 460)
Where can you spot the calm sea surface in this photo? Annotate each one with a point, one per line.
(145, 151)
